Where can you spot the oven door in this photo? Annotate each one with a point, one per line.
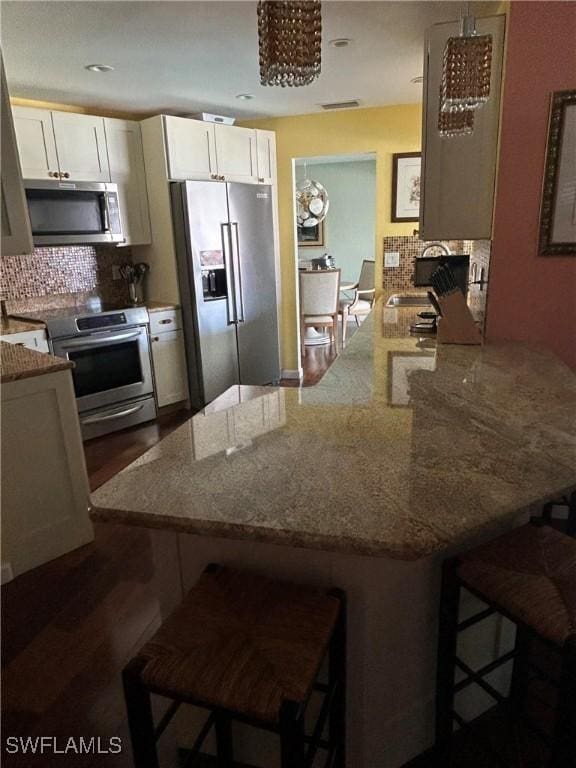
(109, 367)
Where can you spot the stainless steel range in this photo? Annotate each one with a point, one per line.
(112, 374)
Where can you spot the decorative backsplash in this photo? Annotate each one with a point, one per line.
(62, 275)
(399, 279)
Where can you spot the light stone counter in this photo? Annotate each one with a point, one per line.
(401, 450)
(399, 456)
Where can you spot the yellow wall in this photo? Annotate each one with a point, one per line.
(382, 130)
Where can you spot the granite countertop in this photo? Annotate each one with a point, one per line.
(402, 450)
(9, 325)
(17, 363)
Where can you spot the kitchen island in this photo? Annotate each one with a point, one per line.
(403, 453)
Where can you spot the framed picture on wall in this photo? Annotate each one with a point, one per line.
(406, 186)
(558, 209)
(311, 235)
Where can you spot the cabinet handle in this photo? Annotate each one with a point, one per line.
(66, 175)
(51, 173)
(167, 321)
(222, 178)
(155, 338)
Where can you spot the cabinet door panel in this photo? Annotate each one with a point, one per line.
(266, 153)
(36, 145)
(169, 361)
(236, 153)
(81, 146)
(126, 159)
(190, 148)
(459, 173)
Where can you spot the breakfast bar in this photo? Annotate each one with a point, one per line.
(404, 453)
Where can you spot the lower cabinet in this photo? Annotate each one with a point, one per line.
(168, 357)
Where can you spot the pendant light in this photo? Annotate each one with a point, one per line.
(466, 68)
(312, 201)
(289, 41)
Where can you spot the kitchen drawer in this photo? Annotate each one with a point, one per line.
(30, 339)
(165, 320)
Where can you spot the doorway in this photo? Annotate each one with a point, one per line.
(347, 235)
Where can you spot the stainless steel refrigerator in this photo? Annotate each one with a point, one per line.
(226, 266)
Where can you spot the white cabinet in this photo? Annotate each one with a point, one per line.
(35, 340)
(266, 156)
(16, 232)
(459, 173)
(198, 150)
(81, 146)
(235, 153)
(45, 497)
(190, 148)
(169, 357)
(36, 143)
(61, 145)
(126, 159)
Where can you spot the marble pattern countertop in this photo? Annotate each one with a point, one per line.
(9, 325)
(17, 363)
(402, 450)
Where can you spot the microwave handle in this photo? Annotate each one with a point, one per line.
(105, 212)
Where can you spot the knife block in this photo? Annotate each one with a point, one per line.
(456, 326)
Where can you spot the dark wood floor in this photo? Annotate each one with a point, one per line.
(69, 626)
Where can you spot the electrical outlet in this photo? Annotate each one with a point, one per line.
(392, 258)
(116, 272)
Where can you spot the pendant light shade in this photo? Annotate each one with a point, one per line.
(466, 69)
(311, 202)
(289, 41)
(460, 123)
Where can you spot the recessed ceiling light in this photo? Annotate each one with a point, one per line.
(417, 79)
(245, 96)
(340, 42)
(99, 67)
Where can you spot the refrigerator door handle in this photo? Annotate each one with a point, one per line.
(229, 270)
(238, 270)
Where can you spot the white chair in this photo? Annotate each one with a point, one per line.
(319, 296)
(363, 299)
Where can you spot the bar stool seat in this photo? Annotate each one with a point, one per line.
(247, 648)
(530, 575)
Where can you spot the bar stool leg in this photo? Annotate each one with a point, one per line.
(337, 673)
(291, 736)
(564, 749)
(447, 646)
(520, 669)
(223, 727)
(140, 720)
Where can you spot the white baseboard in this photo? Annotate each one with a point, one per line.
(292, 373)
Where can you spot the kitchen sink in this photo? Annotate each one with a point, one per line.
(398, 300)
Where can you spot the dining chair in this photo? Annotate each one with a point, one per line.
(361, 303)
(319, 295)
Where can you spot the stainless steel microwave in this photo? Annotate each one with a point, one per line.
(73, 212)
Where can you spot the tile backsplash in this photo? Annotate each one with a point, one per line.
(63, 275)
(399, 279)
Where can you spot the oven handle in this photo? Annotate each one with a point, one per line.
(111, 416)
(100, 340)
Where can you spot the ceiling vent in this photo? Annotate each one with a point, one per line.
(341, 104)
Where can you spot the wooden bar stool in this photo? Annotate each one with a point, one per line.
(248, 648)
(528, 576)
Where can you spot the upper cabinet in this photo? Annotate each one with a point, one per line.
(61, 145)
(126, 159)
(212, 151)
(16, 232)
(266, 156)
(235, 153)
(190, 148)
(459, 172)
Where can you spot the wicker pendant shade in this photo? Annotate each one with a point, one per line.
(289, 35)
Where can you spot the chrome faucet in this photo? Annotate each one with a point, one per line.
(443, 247)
